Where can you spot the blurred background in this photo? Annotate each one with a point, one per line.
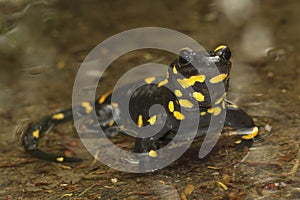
(42, 44)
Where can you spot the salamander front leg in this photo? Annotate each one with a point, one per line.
(151, 144)
(145, 145)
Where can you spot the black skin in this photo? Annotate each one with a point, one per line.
(189, 63)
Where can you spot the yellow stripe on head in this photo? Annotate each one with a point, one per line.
(220, 47)
(184, 48)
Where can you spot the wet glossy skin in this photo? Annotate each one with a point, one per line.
(190, 78)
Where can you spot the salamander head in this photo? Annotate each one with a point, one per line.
(200, 70)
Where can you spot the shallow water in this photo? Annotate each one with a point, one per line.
(43, 43)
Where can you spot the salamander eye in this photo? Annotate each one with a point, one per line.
(186, 56)
(223, 51)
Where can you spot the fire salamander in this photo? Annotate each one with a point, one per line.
(181, 76)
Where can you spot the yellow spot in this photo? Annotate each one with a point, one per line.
(164, 82)
(252, 134)
(104, 96)
(178, 93)
(186, 103)
(178, 115)
(171, 106)
(36, 133)
(87, 106)
(152, 120)
(167, 76)
(140, 121)
(149, 80)
(218, 78)
(174, 69)
(111, 123)
(187, 82)
(152, 153)
(215, 111)
(184, 48)
(219, 47)
(202, 113)
(60, 159)
(220, 99)
(58, 116)
(198, 96)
